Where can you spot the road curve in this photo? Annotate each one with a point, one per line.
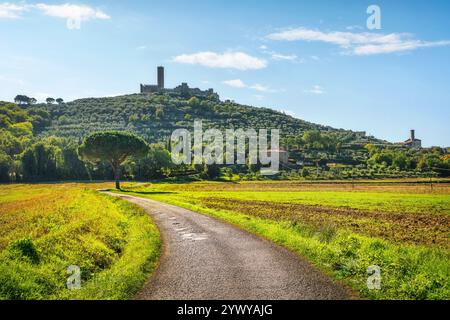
(204, 258)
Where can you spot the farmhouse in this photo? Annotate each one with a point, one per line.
(412, 142)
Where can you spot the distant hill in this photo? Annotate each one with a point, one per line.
(155, 116)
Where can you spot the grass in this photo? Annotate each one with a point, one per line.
(47, 228)
(373, 201)
(342, 229)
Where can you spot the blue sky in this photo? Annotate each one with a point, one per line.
(314, 59)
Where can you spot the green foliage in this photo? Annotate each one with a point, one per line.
(21, 129)
(305, 173)
(194, 102)
(324, 152)
(113, 147)
(425, 160)
(6, 165)
(88, 115)
(114, 243)
(22, 99)
(154, 165)
(24, 248)
(336, 244)
(211, 171)
(159, 113)
(39, 162)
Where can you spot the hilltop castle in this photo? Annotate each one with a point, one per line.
(182, 90)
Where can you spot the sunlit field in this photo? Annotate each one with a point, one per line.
(45, 228)
(341, 228)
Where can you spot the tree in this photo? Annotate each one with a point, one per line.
(194, 102)
(399, 161)
(21, 99)
(40, 162)
(211, 171)
(40, 118)
(154, 165)
(73, 167)
(59, 101)
(32, 101)
(159, 112)
(21, 129)
(50, 100)
(113, 147)
(371, 148)
(228, 173)
(10, 144)
(6, 164)
(304, 172)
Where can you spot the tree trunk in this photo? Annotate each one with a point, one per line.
(116, 170)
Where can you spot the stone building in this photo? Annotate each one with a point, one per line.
(182, 90)
(412, 142)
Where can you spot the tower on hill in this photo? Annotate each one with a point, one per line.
(161, 77)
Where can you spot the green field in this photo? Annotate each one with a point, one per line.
(341, 228)
(45, 228)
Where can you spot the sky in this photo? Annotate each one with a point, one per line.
(327, 62)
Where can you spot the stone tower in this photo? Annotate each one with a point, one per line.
(161, 77)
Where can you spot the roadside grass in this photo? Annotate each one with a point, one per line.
(409, 270)
(47, 228)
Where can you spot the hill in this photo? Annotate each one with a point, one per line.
(40, 141)
(155, 116)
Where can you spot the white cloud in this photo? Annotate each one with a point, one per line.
(72, 11)
(397, 47)
(227, 60)
(363, 43)
(141, 47)
(316, 90)
(238, 83)
(335, 37)
(11, 10)
(279, 56)
(260, 87)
